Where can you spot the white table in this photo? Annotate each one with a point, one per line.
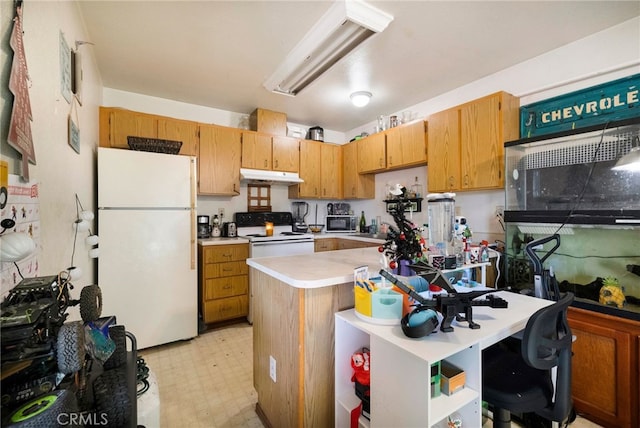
(400, 366)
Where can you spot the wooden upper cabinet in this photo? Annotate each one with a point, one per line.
(466, 143)
(219, 160)
(256, 150)
(285, 154)
(330, 171)
(444, 151)
(310, 153)
(406, 145)
(117, 124)
(372, 153)
(355, 185)
(180, 130)
(485, 125)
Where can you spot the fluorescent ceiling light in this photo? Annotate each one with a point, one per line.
(339, 31)
(630, 161)
(360, 98)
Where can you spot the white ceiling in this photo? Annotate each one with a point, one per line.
(219, 53)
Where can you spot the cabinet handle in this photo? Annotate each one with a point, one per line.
(390, 160)
(265, 163)
(380, 162)
(276, 163)
(227, 270)
(226, 287)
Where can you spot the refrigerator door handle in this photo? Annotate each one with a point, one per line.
(193, 213)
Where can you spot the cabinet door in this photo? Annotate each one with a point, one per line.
(372, 153)
(481, 146)
(356, 186)
(219, 161)
(331, 171)
(123, 123)
(325, 244)
(605, 358)
(180, 130)
(309, 169)
(256, 150)
(406, 145)
(444, 151)
(286, 154)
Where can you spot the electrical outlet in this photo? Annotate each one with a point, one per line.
(272, 368)
(500, 210)
(220, 212)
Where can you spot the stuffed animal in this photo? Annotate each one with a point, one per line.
(360, 361)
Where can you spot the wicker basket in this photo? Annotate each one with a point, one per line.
(154, 145)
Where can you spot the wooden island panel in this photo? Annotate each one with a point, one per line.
(296, 327)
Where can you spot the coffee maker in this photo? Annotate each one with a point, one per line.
(204, 230)
(300, 211)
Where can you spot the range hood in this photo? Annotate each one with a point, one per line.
(269, 177)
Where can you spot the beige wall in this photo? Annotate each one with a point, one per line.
(60, 172)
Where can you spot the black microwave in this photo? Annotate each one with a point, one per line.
(341, 223)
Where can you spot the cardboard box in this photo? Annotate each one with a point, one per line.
(452, 378)
(269, 122)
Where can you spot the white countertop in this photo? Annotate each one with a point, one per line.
(222, 241)
(318, 269)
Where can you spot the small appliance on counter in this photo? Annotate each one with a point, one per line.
(215, 227)
(300, 211)
(204, 230)
(341, 223)
(229, 229)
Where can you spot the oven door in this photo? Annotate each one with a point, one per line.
(278, 248)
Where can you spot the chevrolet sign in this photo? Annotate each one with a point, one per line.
(616, 100)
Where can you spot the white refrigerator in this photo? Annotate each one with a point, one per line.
(147, 267)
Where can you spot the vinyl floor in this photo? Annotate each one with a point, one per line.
(207, 382)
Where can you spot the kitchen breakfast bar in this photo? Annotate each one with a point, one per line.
(293, 304)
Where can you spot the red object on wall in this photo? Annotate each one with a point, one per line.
(20, 137)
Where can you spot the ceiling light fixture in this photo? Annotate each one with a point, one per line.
(339, 31)
(360, 98)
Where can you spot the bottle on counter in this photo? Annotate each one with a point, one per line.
(363, 223)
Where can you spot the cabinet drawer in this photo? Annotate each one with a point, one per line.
(225, 309)
(226, 287)
(225, 253)
(219, 270)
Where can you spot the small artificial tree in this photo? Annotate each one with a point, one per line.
(404, 241)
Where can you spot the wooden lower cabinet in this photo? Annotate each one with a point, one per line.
(293, 329)
(347, 244)
(605, 373)
(223, 282)
(325, 244)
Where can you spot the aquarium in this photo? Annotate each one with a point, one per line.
(569, 177)
(588, 258)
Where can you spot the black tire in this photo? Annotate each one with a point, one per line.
(4, 196)
(110, 393)
(70, 350)
(90, 303)
(119, 357)
(54, 409)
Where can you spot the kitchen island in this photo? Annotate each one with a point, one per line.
(294, 300)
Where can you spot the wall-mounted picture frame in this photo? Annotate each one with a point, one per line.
(76, 75)
(74, 135)
(65, 69)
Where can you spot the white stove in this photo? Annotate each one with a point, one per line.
(283, 242)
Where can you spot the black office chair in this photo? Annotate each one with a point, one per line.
(521, 382)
